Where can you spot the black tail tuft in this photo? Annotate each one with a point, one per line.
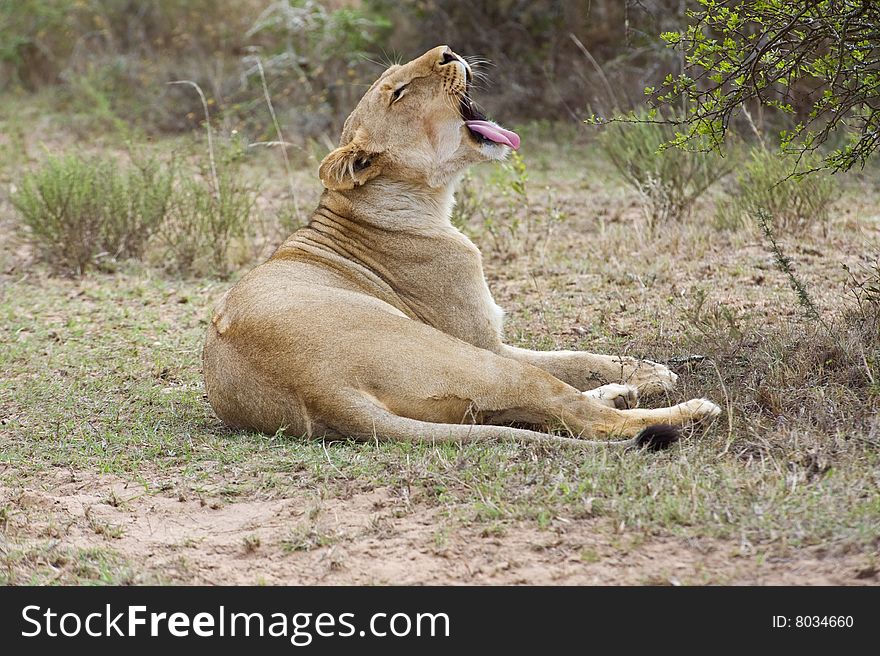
(657, 437)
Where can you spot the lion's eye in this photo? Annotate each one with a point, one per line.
(397, 94)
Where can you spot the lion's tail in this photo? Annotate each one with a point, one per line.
(371, 422)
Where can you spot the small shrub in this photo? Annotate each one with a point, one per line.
(78, 211)
(669, 180)
(207, 217)
(136, 201)
(786, 266)
(60, 205)
(766, 184)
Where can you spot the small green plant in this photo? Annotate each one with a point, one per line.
(251, 543)
(515, 224)
(467, 202)
(307, 538)
(208, 217)
(518, 175)
(508, 228)
(81, 211)
(784, 264)
(720, 325)
(767, 183)
(668, 180)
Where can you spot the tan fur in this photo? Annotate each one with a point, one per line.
(375, 320)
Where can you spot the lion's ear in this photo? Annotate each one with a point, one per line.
(349, 166)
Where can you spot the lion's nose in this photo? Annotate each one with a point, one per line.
(448, 57)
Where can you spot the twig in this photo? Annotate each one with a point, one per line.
(214, 179)
(754, 127)
(783, 262)
(729, 405)
(598, 68)
(330, 462)
(270, 144)
(685, 359)
(281, 139)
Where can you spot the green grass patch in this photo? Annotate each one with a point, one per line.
(103, 375)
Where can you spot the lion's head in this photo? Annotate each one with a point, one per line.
(416, 123)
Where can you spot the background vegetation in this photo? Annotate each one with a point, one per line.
(118, 54)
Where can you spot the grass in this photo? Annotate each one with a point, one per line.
(50, 563)
(102, 375)
(765, 182)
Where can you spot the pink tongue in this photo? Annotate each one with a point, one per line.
(495, 133)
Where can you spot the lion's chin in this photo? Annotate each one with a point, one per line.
(488, 151)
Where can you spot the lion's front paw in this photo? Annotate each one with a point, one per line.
(615, 395)
(647, 376)
(698, 410)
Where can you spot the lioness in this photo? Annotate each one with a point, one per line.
(375, 322)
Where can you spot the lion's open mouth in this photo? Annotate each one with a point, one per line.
(482, 129)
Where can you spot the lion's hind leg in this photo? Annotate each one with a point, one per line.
(415, 383)
(370, 421)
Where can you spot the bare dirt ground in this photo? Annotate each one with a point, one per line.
(366, 538)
